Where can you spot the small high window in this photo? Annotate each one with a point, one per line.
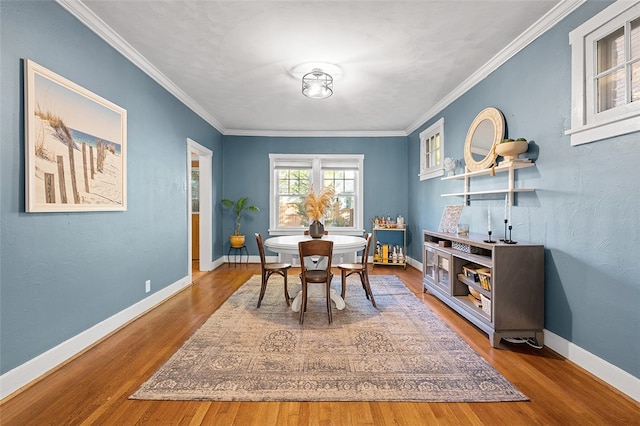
(432, 151)
(605, 53)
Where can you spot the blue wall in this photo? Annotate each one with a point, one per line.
(246, 172)
(62, 273)
(586, 206)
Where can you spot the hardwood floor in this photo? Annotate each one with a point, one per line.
(93, 388)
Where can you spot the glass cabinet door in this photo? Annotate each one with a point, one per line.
(443, 270)
(429, 263)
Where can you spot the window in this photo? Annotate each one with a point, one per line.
(293, 175)
(605, 55)
(432, 151)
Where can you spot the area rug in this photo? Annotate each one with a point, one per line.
(400, 351)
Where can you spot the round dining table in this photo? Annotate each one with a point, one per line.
(342, 245)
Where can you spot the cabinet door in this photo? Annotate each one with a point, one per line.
(429, 264)
(443, 270)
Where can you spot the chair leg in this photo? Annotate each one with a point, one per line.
(344, 283)
(368, 289)
(364, 286)
(263, 288)
(328, 292)
(286, 290)
(303, 305)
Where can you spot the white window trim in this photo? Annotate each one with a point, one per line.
(316, 161)
(586, 126)
(436, 171)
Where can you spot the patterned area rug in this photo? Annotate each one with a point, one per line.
(400, 351)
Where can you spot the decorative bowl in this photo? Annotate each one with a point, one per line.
(511, 150)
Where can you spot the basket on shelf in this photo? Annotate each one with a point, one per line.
(486, 304)
(466, 248)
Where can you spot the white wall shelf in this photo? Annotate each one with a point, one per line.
(510, 190)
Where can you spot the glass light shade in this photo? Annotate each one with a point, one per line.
(317, 84)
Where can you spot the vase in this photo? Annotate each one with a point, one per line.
(316, 229)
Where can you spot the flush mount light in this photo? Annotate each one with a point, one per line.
(317, 84)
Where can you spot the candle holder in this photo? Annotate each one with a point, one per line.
(490, 241)
(505, 231)
(510, 241)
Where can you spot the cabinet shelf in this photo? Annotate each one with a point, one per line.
(472, 283)
(468, 304)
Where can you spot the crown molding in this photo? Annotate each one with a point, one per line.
(86, 16)
(316, 134)
(78, 9)
(548, 21)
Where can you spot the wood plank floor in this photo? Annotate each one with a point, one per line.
(93, 388)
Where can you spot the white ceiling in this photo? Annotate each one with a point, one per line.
(232, 61)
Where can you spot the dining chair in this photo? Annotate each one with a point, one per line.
(347, 269)
(269, 269)
(315, 248)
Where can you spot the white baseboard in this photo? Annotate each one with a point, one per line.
(615, 376)
(24, 374)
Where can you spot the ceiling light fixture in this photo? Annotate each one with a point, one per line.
(317, 84)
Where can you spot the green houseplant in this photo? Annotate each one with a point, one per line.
(239, 208)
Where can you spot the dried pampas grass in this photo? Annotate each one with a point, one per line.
(315, 205)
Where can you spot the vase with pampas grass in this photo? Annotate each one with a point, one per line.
(315, 206)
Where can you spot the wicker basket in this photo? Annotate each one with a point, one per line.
(486, 304)
(485, 278)
(466, 248)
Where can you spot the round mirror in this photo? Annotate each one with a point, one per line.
(486, 131)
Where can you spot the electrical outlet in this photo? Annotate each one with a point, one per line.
(147, 286)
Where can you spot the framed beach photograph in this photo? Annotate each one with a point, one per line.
(76, 146)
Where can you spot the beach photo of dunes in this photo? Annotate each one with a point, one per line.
(75, 146)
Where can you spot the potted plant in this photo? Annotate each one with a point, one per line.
(315, 206)
(239, 207)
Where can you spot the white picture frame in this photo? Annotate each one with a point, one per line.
(75, 146)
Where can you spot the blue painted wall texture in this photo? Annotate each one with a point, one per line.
(246, 172)
(63, 273)
(586, 206)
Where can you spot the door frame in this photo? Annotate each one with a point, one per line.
(205, 160)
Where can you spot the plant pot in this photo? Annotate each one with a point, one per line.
(236, 240)
(316, 229)
(511, 150)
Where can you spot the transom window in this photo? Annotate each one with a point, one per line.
(606, 74)
(432, 151)
(293, 176)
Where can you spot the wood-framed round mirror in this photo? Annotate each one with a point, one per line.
(485, 132)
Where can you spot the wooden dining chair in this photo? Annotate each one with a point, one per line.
(315, 248)
(269, 269)
(347, 269)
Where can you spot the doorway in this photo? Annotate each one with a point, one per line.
(203, 203)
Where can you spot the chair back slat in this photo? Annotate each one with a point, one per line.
(365, 253)
(261, 249)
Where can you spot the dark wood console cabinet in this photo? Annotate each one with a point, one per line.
(514, 303)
